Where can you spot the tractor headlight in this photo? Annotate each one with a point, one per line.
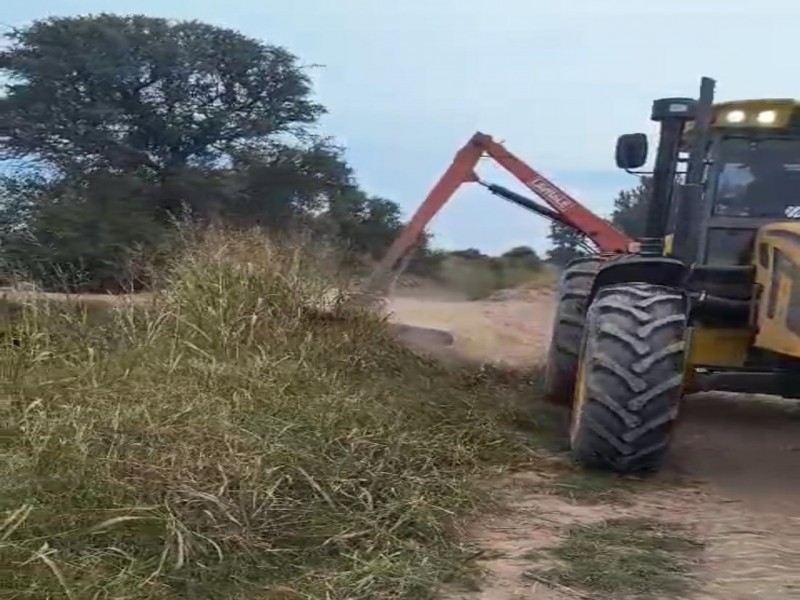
(766, 114)
(767, 117)
(736, 116)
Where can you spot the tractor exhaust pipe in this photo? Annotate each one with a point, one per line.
(673, 114)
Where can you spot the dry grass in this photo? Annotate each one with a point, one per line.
(244, 435)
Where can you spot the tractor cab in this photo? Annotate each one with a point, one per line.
(725, 203)
(731, 175)
(753, 180)
(711, 299)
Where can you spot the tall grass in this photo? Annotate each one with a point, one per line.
(245, 434)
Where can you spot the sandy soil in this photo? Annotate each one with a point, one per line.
(735, 463)
(509, 332)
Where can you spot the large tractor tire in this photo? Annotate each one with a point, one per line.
(565, 342)
(630, 378)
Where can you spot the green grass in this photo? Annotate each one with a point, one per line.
(245, 435)
(624, 558)
(590, 487)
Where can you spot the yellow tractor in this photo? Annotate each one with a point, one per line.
(710, 300)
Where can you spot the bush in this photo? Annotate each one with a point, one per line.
(245, 433)
(478, 277)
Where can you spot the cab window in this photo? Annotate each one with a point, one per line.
(758, 178)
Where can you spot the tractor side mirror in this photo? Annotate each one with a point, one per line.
(631, 150)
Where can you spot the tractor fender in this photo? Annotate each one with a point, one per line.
(632, 268)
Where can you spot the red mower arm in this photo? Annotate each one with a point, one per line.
(462, 170)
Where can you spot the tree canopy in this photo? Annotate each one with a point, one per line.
(128, 123)
(120, 92)
(630, 208)
(566, 244)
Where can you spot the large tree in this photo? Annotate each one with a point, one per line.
(125, 92)
(282, 183)
(368, 224)
(132, 121)
(79, 235)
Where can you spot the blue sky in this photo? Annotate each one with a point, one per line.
(408, 82)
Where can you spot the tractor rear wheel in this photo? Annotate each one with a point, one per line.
(565, 342)
(630, 378)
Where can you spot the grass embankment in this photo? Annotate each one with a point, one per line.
(231, 439)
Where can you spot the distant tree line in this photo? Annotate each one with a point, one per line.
(114, 128)
(628, 216)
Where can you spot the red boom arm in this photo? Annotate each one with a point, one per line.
(462, 170)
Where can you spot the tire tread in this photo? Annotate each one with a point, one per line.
(635, 350)
(562, 360)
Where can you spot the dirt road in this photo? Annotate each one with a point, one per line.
(733, 477)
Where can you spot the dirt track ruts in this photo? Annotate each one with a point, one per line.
(735, 463)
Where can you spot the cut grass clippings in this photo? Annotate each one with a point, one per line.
(244, 435)
(623, 558)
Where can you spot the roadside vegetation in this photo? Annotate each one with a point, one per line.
(244, 433)
(478, 276)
